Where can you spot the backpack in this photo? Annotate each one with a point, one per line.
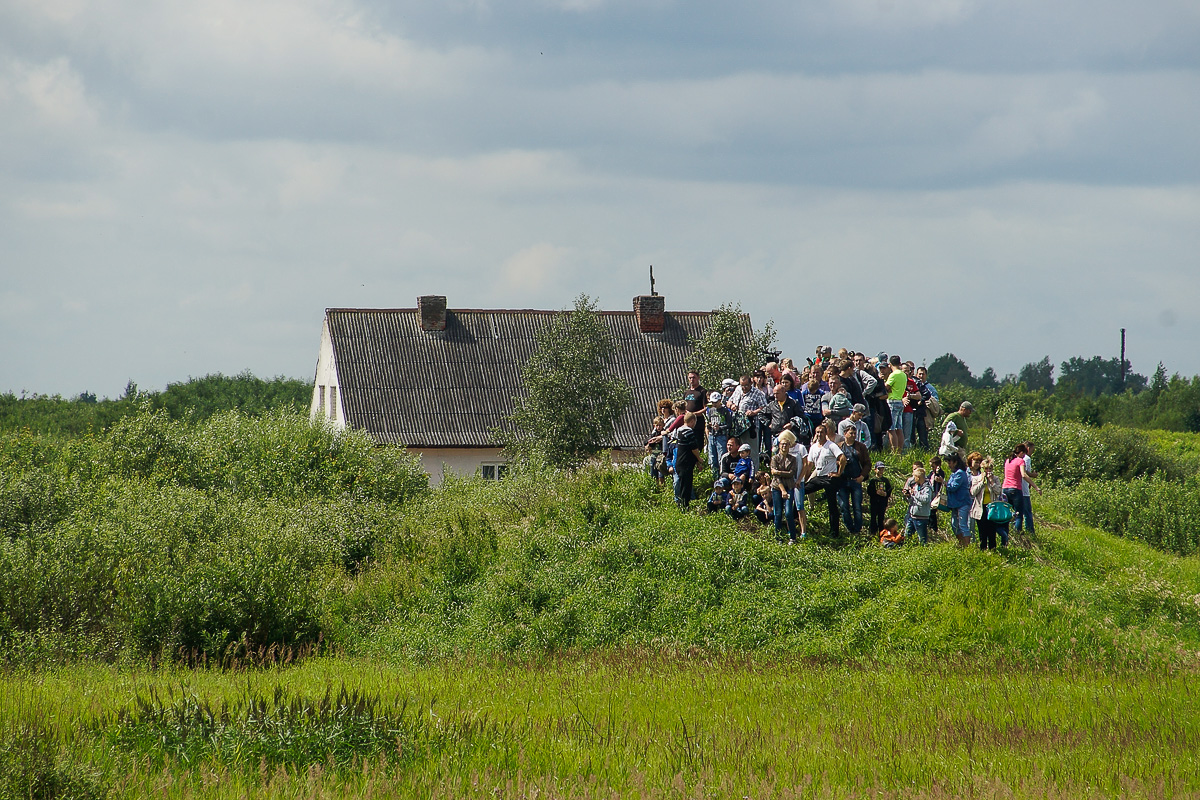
(740, 423)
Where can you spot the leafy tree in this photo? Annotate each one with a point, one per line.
(573, 402)
(730, 348)
(1037, 376)
(204, 397)
(1158, 383)
(1096, 376)
(988, 380)
(949, 368)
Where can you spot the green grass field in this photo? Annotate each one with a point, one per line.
(627, 724)
(356, 634)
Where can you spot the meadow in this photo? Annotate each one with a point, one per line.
(255, 606)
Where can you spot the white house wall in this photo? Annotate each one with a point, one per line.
(326, 394)
(465, 461)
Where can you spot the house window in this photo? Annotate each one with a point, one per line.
(494, 471)
(321, 400)
(333, 402)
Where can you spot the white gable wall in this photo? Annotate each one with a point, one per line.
(327, 396)
(439, 462)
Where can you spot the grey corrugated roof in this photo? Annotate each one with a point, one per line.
(451, 388)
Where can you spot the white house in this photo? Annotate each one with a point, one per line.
(440, 381)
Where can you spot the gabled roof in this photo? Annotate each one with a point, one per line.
(451, 388)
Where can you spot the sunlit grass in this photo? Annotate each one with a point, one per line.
(634, 721)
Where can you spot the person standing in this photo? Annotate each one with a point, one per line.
(959, 419)
(718, 423)
(896, 382)
(879, 492)
(780, 411)
(695, 400)
(920, 495)
(857, 421)
(958, 498)
(749, 400)
(828, 464)
(687, 456)
(921, 408)
(783, 481)
(985, 490)
(1025, 512)
(1016, 474)
(850, 495)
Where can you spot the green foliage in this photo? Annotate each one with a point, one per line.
(196, 398)
(212, 394)
(34, 765)
(729, 348)
(1037, 376)
(949, 368)
(342, 729)
(1070, 452)
(630, 723)
(280, 455)
(1154, 510)
(573, 401)
(1096, 376)
(601, 562)
(170, 537)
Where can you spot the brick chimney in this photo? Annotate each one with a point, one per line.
(650, 310)
(432, 310)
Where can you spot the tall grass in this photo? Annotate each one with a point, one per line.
(1160, 512)
(629, 724)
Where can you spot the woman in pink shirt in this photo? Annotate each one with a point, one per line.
(1015, 471)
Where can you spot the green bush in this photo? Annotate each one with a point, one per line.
(1069, 452)
(279, 455)
(1163, 513)
(172, 537)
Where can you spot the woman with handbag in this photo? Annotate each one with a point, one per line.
(1016, 470)
(987, 503)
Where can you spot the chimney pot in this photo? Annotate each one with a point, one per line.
(650, 310)
(431, 308)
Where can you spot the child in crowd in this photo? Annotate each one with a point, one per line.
(890, 535)
(719, 499)
(656, 462)
(739, 500)
(744, 466)
(919, 494)
(762, 505)
(879, 492)
(937, 478)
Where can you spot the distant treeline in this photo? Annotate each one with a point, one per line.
(1092, 391)
(196, 399)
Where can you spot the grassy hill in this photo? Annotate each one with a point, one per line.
(252, 606)
(175, 539)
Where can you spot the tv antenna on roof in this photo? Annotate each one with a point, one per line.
(652, 292)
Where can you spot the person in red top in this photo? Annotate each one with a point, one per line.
(912, 396)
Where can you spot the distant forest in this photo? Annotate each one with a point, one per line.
(1092, 390)
(196, 399)
(1088, 390)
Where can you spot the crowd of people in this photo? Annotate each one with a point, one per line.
(776, 439)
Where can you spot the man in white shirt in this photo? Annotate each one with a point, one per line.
(828, 461)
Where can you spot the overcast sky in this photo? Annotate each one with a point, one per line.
(186, 185)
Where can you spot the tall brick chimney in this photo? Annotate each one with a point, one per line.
(650, 310)
(432, 310)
